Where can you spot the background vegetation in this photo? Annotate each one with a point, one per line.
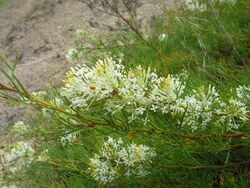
(2, 2)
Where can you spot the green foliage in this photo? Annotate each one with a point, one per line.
(2, 2)
(212, 46)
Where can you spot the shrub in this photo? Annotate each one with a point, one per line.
(169, 112)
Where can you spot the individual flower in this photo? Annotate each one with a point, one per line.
(162, 37)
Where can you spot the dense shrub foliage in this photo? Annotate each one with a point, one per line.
(166, 109)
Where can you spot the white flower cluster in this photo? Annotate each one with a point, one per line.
(243, 92)
(195, 5)
(139, 91)
(84, 84)
(117, 159)
(200, 6)
(236, 109)
(16, 156)
(197, 107)
(20, 128)
(205, 105)
(68, 138)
